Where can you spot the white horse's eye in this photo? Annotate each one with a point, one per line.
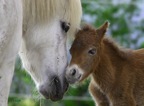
(65, 26)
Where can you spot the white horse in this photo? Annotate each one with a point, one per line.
(40, 28)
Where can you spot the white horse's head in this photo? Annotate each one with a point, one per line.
(47, 25)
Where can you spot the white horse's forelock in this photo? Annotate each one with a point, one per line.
(44, 10)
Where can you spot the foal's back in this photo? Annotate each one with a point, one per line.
(137, 66)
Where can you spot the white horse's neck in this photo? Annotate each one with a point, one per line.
(10, 38)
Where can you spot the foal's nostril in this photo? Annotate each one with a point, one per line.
(79, 76)
(73, 72)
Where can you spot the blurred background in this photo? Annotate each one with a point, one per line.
(126, 19)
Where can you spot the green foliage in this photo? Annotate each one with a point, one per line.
(13, 101)
(123, 18)
(126, 27)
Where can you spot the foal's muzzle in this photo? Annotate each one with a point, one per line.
(73, 75)
(55, 90)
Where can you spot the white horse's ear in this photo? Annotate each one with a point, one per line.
(102, 30)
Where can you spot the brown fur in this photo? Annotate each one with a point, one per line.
(117, 74)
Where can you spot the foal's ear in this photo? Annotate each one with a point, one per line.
(102, 30)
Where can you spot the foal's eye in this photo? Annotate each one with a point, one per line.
(92, 51)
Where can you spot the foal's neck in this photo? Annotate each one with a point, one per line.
(112, 58)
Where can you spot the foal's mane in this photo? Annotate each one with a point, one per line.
(123, 53)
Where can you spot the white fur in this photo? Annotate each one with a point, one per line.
(10, 38)
(43, 45)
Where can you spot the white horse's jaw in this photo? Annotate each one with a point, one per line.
(44, 57)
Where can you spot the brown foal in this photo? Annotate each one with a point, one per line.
(117, 74)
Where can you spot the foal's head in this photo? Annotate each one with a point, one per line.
(85, 52)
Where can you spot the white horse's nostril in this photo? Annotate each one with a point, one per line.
(56, 80)
(44, 91)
